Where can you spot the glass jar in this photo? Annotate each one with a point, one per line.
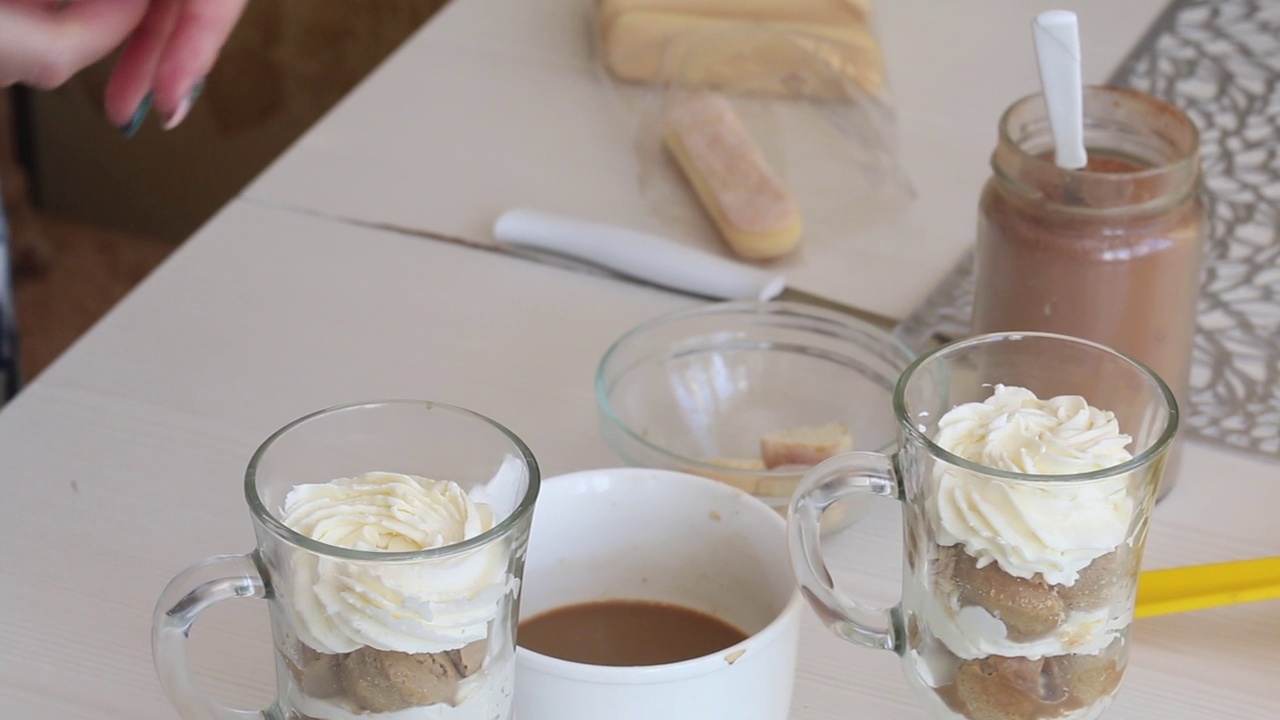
(1110, 253)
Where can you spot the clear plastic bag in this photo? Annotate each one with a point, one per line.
(814, 100)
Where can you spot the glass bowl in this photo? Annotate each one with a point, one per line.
(700, 390)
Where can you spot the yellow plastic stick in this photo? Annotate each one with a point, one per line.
(1163, 592)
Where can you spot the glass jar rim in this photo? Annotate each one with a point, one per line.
(1140, 459)
(276, 526)
(1185, 156)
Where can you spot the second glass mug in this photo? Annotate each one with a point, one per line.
(977, 642)
(371, 631)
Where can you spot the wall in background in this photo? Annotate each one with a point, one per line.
(288, 62)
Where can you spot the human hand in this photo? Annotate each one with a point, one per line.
(166, 59)
(171, 46)
(44, 42)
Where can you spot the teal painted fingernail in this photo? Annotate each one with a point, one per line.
(139, 115)
(196, 89)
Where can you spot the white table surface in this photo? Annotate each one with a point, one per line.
(123, 463)
(497, 103)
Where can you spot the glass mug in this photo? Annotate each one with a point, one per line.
(976, 641)
(373, 631)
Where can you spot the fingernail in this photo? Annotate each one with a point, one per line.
(184, 107)
(139, 115)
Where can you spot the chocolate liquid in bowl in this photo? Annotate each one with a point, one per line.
(1111, 253)
(626, 633)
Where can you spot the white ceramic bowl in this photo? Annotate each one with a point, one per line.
(642, 534)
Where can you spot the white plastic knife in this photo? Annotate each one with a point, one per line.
(640, 255)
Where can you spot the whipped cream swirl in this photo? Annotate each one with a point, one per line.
(415, 606)
(1033, 527)
(973, 632)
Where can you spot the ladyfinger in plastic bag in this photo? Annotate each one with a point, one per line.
(645, 41)
(755, 213)
(799, 11)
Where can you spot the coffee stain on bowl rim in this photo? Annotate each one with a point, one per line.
(732, 657)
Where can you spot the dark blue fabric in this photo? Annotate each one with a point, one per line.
(8, 326)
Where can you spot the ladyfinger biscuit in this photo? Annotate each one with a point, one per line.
(383, 681)
(646, 46)
(1000, 688)
(754, 212)
(1028, 608)
(1100, 581)
(805, 446)
(822, 12)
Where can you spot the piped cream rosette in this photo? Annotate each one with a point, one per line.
(1029, 528)
(417, 606)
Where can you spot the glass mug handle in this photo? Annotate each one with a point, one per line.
(843, 476)
(222, 577)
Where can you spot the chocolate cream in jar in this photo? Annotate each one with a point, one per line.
(1110, 253)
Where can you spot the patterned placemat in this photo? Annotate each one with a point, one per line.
(1219, 60)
